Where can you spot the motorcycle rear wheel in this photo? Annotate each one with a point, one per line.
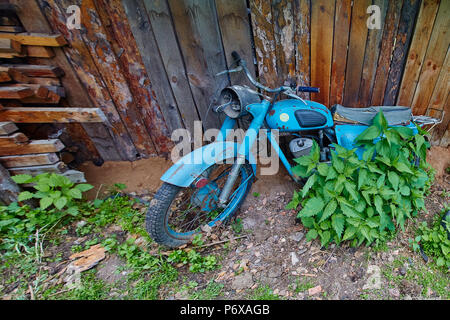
(163, 213)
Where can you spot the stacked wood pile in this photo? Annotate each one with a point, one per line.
(19, 155)
(29, 94)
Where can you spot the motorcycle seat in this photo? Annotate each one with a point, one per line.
(395, 115)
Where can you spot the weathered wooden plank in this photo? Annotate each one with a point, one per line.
(36, 39)
(39, 52)
(9, 190)
(106, 61)
(371, 56)
(49, 115)
(403, 39)
(7, 128)
(144, 34)
(58, 167)
(10, 92)
(416, 53)
(356, 49)
(134, 71)
(18, 137)
(10, 46)
(434, 59)
(34, 20)
(445, 141)
(284, 35)
(236, 35)
(263, 35)
(440, 101)
(41, 94)
(340, 44)
(35, 146)
(387, 45)
(31, 70)
(4, 76)
(302, 13)
(80, 59)
(322, 18)
(14, 29)
(29, 160)
(196, 25)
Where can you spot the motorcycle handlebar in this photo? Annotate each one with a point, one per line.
(241, 62)
(308, 89)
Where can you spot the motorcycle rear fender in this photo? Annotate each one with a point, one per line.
(186, 170)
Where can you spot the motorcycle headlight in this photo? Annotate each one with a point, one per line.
(236, 99)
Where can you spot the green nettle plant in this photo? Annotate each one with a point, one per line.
(435, 240)
(53, 190)
(364, 200)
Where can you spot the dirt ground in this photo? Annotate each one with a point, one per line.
(274, 253)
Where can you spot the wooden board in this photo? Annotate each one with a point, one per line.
(49, 115)
(135, 74)
(100, 142)
(434, 59)
(93, 87)
(10, 46)
(356, 49)
(263, 35)
(9, 190)
(340, 44)
(18, 137)
(39, 52)
(29, 160)
(284, 35)
(322, 18)
(4, 76)
(236, 35)
(403, 39)
(14, 29)
(416, 53)
(371, 56)
(440, 101)
(42, 94)
(36, 39)
(35, 146)
(58, 167)
(302, 42)
(10, 92)
(107, 64)
(198, 33)
(7, 128)
(36, 70)
(163, 63)
(387, 45)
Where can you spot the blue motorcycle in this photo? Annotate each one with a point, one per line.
(206, 187)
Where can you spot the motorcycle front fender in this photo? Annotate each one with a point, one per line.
(186, 170)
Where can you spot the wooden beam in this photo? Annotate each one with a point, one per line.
(50, 115)
(59, 167)
(29, 160)
(14, 29)
(39, 52)
(36, 39)
(18, 137)
(9, 190)
(7, 128)
(31, 70)
(35, 146)
(10, 92)
(4, 76)
(42, 94)
(10, 46)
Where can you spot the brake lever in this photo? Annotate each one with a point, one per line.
(292, 95)
(238, 69)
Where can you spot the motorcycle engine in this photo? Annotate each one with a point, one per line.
(300, 147)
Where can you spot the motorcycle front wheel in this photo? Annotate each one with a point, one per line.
(176, 214)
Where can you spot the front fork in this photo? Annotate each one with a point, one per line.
(259, 113)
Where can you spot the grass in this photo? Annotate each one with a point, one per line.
(263, 293)
(426, 276)
(211, 292)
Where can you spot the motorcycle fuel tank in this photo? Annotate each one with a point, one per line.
(294, 115)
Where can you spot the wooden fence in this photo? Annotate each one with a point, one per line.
(150, 65)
